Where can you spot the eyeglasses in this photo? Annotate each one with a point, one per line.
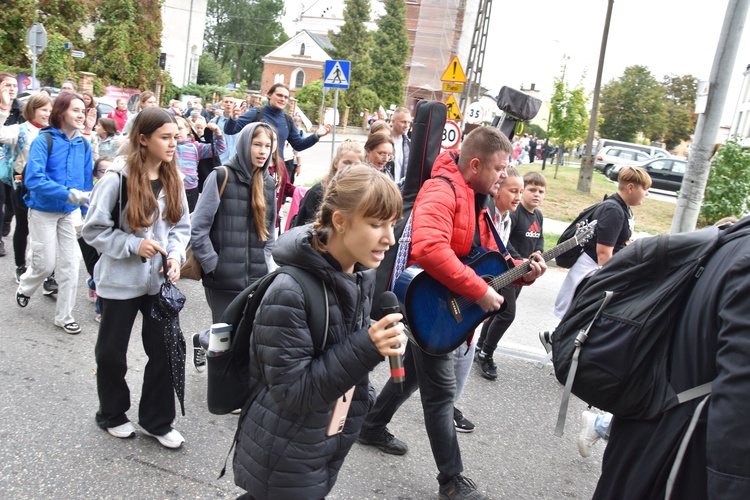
(385, 156)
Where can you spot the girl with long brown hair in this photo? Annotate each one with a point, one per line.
(287, 447)
(234, 227)
(153, 222)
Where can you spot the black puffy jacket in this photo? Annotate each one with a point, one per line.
(283, 451)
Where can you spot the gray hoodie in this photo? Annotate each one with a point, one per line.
(120, 272)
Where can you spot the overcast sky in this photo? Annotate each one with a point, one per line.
(668, 36)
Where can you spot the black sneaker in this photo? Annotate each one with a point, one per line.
(50, 285)
(6, 228)
(383, 440)
(461, 487)
(462, 423)
(487, 366)
(546, 339)
(2, 244)
(199, 354)
(19, 272)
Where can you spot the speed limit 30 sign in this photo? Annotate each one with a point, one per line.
(451, 135)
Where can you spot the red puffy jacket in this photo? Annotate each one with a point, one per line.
(443, 226)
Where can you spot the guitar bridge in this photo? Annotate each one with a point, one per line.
(455, 309)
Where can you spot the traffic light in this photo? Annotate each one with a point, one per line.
(163, 60)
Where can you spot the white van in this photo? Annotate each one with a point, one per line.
(652, 151)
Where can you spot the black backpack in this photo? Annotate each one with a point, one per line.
(229, 373)
(567, 259)
(610, 349)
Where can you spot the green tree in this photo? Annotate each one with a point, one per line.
(633, 104)
(389, 54)
(56, 63)
(310, 98)
(127, 42)
(210, 71)
(15, 20)
(226, 35)
(353, 43)
(569, 116)
(680, 94)
(728, 185)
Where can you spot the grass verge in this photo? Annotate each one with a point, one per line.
(563, 202)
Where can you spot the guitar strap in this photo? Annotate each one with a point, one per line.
(503, 251)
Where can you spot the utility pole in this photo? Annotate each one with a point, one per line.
(694, 183)
(587, 162)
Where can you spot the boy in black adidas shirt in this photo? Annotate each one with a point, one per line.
(526, 237)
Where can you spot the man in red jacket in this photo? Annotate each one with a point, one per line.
(447, 221)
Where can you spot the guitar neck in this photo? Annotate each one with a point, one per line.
(514, 274)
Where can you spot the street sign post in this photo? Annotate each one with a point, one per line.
(454, 72)
(336, 75)
(36, 40)
(451, 135)
(453, 112)
(455, 88)
(475, 113)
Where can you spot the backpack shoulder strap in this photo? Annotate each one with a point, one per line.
(316, 300)
(222, 175)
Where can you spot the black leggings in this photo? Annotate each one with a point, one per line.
(494, 329)
(21, 233)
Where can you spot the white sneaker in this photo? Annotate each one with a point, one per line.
(171, 439)
(587, 436)
(122, 431)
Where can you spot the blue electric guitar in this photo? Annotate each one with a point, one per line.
(438, 319)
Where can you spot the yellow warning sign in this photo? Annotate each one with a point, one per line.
(454, 72)
(453, 112)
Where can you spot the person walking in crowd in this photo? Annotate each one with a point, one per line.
(90, 102)
(284, 448)
(292, 158)
(400, 123)
(68, 86)
(348, 153)
(232, 231)
(284, 187)
(522, 228)
(379, 152)
(19, 137)
(448, 215)
(712, 347)
(208, 134)
(189, 153)
(145, 100)
(120, 114)
(106, 140)
(154, 222)
(533, 143)
(59, 181)
(12, 109)
(614, 226)
(227, 104)
(273, 114)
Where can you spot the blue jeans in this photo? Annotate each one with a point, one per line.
(601, 425)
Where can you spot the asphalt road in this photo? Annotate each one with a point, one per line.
(51, 447)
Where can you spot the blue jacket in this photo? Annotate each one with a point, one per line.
(49, 180)
(277, 118)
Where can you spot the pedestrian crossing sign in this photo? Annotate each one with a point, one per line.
(336, 74)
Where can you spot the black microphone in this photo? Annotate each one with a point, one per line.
(389, 305)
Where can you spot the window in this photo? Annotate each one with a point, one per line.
(302, 49)
(642, 157)
(278, 78)
(660, 165)
(299, 80)
(678, 167)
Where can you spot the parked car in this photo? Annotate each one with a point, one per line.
(609, 156)
(652, 151)
(666, 173)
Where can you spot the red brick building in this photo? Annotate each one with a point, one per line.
(297, 62)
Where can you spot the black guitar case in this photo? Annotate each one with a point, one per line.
(426, 136)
